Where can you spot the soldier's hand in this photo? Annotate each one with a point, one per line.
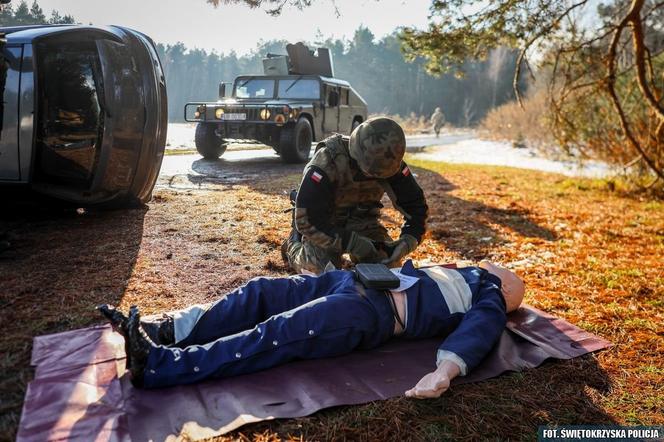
(401, 247)
(362, 248)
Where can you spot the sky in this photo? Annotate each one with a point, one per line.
(239, 28)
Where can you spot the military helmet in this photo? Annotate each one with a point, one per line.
(378, 146)
(438, 109)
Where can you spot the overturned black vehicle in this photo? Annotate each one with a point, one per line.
(84, 114)
(296, 102)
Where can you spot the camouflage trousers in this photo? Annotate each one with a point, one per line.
(303, 255)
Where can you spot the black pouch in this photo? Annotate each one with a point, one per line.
(376, 276)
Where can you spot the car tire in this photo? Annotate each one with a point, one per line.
(295, 142)
(208, 144)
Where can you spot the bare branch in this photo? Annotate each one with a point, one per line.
(529, 43)
(634, 19)
(610, 86)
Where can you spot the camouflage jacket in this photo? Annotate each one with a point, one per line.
(438, 118)
(333, 189)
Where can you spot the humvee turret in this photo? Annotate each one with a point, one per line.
(296, 102)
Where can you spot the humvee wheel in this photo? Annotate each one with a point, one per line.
(208, 144)
(295, 142)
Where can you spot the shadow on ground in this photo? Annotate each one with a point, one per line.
(511, 406)
(470, 228)
(265, 174)
(57, 264)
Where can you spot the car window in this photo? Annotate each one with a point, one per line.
(70, 110)
(254, 88)
(344, 96)
(332, 97)
(303, 88)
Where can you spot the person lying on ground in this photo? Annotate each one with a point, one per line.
(271, 321)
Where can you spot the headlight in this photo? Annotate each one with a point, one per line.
(265, 114)
(219, 113)
(294, 113)
(200, 110)
(197, 114)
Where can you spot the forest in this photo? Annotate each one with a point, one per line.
(374, 67)
(578, 79)
(582, 80)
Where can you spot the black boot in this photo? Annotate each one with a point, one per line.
(161, 330)
(117, 319)
(294, 235)
(137, 345)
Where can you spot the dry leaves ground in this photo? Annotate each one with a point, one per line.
(592, 256)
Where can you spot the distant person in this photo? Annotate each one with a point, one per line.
(437, 120)
(337, 207)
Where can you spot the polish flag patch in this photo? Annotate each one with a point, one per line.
(406, 171)
(316, 177)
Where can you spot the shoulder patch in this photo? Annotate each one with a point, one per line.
(316, 177)
(405, 171)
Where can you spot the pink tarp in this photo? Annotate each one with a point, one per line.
(80, 393)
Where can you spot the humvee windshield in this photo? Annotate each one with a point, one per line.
(302, 88)
(254, 88)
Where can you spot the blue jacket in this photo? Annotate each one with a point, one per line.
(470, 334)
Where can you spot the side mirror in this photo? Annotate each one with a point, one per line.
(222, 90)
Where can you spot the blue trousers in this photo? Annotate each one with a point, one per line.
(271, 321)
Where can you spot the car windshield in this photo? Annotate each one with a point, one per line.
(299, 88)
(254, 88)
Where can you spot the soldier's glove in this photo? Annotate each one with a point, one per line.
(401, 247)
(362, 248)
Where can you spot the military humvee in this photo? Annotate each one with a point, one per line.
(297, 101)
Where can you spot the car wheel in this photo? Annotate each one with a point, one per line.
(208, 144)
(295, 142)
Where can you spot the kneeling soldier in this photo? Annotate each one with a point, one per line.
(337, 208)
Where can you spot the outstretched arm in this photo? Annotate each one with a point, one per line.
(466, 346)
(434, 384)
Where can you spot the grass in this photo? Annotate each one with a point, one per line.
(588, 254)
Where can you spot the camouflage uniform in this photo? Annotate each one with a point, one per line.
(438, 120)
(335, 198)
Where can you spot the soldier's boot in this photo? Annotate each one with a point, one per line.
(137, 347)
(160, 330)
(294, 235)
(117, 319)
